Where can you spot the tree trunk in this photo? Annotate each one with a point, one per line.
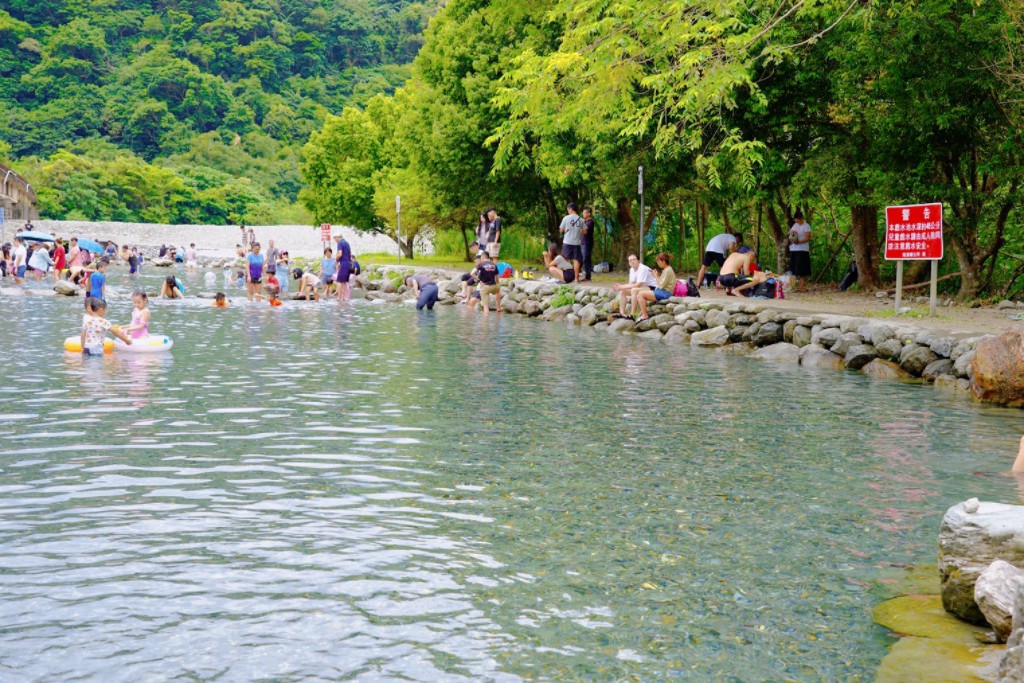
(779, 235)
(866, 254)
(465, 244)
(406, 247)
(629, 233)
(554, 217)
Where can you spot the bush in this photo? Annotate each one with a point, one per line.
(565, 296)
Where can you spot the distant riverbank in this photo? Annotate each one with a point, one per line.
(214, 241)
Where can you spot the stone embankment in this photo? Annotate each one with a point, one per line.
(991, 367)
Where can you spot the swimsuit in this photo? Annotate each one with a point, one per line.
(143, 331)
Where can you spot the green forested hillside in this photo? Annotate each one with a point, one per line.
(187, 111)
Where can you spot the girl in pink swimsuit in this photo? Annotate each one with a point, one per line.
(140, 316)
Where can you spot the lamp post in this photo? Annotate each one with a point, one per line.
(640, 191)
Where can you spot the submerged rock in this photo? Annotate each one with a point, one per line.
(995, 592)
(815, 355)
(942, 366)
(885, 369)
(677, 334)
(998, 369)
(622, 325)
(66, 288)
(968, 543)
(781, 352)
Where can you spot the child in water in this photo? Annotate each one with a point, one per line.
(272, 287)
(220, 301)
(139, 327)
(95, 327)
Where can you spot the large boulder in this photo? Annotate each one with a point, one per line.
(846, 342)
(801, 335)
(860, 355)
(66, 288)
(1011, 669)
(161, 262)
(622, 325)
(973, 535)
(780, 352)
(677, 334)
(826, 336)
(963, 365)
(995, 592)
(889, 349)
(998, 369)
(716, 336)
(589, 314)
(557, 313)
(885, 369)
(530, 307)
(918, 359)
(942, 366)
(715, 318)
(770, 334)
(816, 355)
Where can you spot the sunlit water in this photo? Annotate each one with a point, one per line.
(320, 493)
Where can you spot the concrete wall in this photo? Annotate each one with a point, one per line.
(17, 197)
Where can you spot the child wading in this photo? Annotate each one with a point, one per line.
(139, 327)
(95, 327)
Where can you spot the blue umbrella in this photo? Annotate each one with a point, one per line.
(90, 245)
(34, 236)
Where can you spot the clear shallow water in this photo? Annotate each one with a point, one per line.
(315, 493)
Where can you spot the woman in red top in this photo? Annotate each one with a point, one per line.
(60, 261)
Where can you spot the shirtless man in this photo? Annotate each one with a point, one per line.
(735, 273)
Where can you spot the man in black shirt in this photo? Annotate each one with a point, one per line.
(588, 245)
(486, 272)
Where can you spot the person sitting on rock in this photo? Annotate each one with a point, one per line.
(666, 285)
(640, 278)
(556, 264)
(468, 279)
(735, 273)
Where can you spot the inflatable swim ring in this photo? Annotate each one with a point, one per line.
(154, 343)
(74, 345)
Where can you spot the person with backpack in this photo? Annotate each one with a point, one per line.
(571, 230)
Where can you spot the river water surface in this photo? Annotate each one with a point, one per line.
(364, 492)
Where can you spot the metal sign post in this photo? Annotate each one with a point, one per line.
(640, 191)
(914, 232)
(398, 214)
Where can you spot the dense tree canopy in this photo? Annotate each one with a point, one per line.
(740, 113)
(215, 95)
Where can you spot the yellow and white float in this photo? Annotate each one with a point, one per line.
(74, 345)
(154, 343)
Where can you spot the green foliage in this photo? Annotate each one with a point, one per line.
(235, 87)
(564, 296)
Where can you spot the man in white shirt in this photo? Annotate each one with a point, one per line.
(571, 229)
(717, 250)
(640, 276)
(800, 251)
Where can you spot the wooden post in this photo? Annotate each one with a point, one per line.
(934, 293)
(899, 285)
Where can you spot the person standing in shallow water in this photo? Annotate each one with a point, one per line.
(344, 272)
(254, 273)
(425, 290)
